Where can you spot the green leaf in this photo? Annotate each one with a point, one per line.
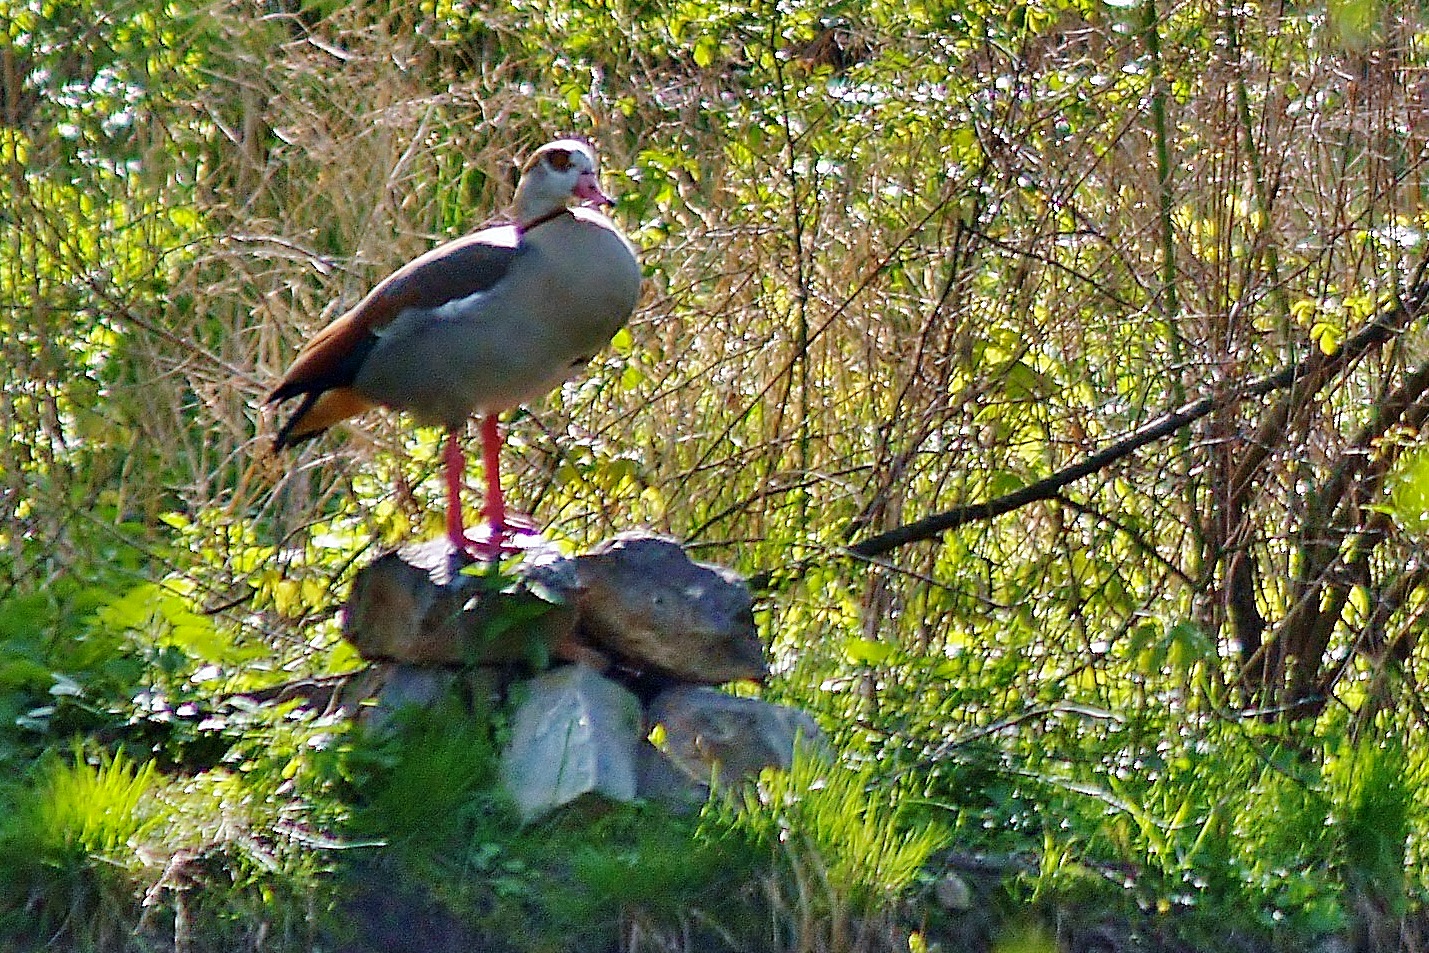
(1409, 491)
(869, 651)
(705, 49)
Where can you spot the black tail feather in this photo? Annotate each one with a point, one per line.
(285, 437)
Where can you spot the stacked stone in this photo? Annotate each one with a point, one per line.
(638, 633)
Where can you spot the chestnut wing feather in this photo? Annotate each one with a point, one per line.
(332, 359)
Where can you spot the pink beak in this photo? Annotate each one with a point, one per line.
(588, 190)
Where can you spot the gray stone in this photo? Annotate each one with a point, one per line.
(573, 738)
(658, 779)
(409, 686)
(416, 606)
(953, 893)
(642, 600)
(711, 736)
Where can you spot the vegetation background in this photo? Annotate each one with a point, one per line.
(1056, 368)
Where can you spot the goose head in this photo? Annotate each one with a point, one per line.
(557, 174)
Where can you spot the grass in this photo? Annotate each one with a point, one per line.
(103, 850)
(846, 848)
(424, 794)
(71, 843)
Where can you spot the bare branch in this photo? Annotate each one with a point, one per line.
(1309, 373)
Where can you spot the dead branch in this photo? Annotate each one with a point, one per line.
(1306, 376)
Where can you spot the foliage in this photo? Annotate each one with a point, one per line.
(423, 790)
(846, 849)
(66, 848)
(903, 261)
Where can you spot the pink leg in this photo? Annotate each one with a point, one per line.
(494, 538)
(456, 466)
(495, 509)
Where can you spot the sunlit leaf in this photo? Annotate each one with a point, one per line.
(869, 652)
(1409, 491)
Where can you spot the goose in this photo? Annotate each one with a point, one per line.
(477, 326)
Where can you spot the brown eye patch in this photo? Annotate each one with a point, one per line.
(559, 159)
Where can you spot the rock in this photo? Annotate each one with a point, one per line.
(408, 685)
(1335, 943)
(643, 601)
(475, 692)
(415, 606)
(573, 737)
(708, 734)
(637, 600)
(953, 893)
(658, 779)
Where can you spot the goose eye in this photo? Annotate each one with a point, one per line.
(559, 159)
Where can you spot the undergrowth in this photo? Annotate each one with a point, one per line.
(287, 831)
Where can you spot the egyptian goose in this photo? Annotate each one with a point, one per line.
(478, 325)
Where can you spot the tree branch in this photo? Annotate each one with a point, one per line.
(1315, 370)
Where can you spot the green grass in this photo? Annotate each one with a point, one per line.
(845, 846)
(70, 845)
